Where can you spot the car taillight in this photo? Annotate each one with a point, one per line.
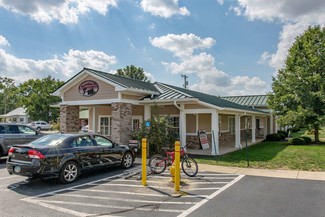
(11, 150)
(32, 153)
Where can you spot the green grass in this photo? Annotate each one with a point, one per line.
(274, 155)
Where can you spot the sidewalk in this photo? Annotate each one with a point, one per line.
(289, 174)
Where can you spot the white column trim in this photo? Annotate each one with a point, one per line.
(147, 112)
(215, 133)
(182, 125)
(253, 129)
(94, 120)
(237, 131)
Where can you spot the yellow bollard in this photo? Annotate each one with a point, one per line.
(144, 161)
(177, 163)
(172, 172)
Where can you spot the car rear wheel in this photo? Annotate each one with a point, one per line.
(38, 129)
(127, 160)
(69, 172)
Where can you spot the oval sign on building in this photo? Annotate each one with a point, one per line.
(88, 88)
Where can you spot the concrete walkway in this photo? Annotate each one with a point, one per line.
(289, 174)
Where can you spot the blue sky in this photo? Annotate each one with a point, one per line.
(225, 47)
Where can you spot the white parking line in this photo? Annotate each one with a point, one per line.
(195, 189)
(120, 192)
(128, 200)
(208, 183)
(133, 186)
(131, 183)
(113, 207)
(193, 208)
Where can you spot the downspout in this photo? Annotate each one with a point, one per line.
(177, 106)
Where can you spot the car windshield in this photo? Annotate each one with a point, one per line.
(50, 140)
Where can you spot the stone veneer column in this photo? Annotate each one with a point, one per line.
(69, 119)
(121, 122)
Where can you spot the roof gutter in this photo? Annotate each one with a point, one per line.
(177, 106)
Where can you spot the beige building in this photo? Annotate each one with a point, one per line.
(117, 104)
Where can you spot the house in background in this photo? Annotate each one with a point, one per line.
(118, 104)
(17, 115)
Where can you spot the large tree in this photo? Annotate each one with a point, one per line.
(298, 96)
(8, 95)
(133, 72)
(36, 98)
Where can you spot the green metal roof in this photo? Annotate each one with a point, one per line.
(250, 100)
(213, 100)
(161, 91)
(126, 82)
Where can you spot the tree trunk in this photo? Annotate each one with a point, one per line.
(316, 134)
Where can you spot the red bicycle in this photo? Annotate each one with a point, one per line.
(158, 163)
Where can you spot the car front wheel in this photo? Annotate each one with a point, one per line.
(127, 160)
(69, 172)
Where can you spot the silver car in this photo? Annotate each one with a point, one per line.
(15, 134)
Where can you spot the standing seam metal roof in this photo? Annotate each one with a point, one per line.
(251, 100)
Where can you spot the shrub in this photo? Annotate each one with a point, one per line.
(306, 139)
(296, 141)
(273, 137)
(56, 126)
(282, 136)
(285, 133)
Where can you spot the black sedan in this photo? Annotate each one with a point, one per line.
(65, 156)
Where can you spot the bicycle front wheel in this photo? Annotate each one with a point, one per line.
(157, 164)
(190, 167)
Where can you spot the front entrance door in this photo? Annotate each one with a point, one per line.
(105, 125)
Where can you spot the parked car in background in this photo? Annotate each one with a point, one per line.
(40, 125)
(15, 134)
(65, 156)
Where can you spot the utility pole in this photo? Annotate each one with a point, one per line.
(185, 81)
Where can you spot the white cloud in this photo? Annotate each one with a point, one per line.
(149, 76)
(182, 45)
(296, 16)
(61, 67)
(192, 64)
(65, 11)
(285, 10)
(164, 8)
(202, 65)
(3, 41)
(220, 2)
(240, 85)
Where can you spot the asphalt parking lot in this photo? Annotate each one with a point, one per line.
(120, 196)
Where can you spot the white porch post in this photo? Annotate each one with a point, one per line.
(271, 122)
(253, 128)
(147, 112)
(214, 133)
(182, 126)
(94, 120)
(265, 127)
(237, 131)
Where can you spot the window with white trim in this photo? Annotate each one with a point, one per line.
(105, 124)
(174, 121)
(136, 122)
